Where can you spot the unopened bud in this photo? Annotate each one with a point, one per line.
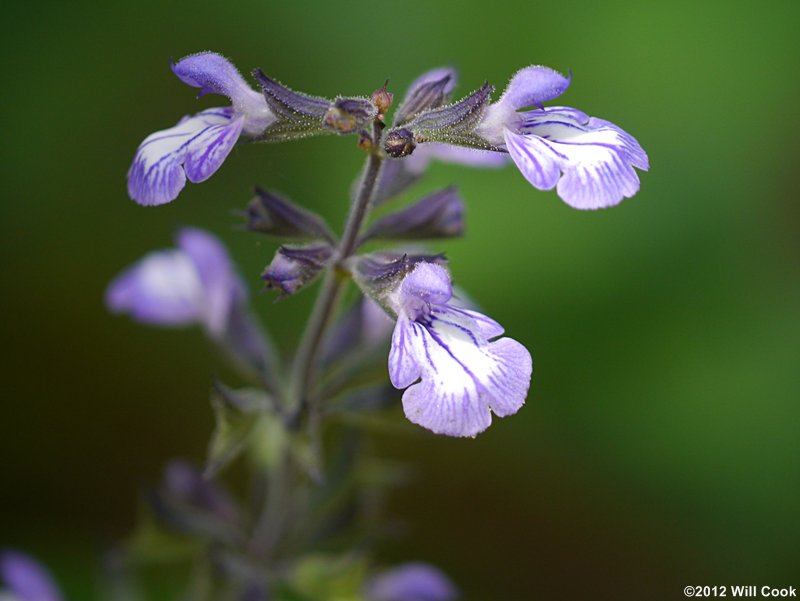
(348, 115)
(399, 143)
(295, 266)
(382, 98)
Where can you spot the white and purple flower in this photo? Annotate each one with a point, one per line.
(464, 375)
(196, 147)
(588, 160)
(193, 284)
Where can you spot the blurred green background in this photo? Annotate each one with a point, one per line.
(659, 445)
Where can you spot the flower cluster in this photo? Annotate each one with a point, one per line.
(453, 362)
(588, 160)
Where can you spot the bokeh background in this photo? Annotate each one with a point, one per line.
(659, 446)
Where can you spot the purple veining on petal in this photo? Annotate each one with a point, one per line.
(413, 581)
(404, 368)
(203, 141)
(596, 157)
(529, 87)
(209, 149)
(488, 327)
(26, 579)
(463, 375)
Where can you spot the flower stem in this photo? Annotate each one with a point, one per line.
(333, 283)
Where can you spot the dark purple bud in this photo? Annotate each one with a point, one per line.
(295, 266)
(297, 115)
(270, 214)
(425, 95)
(25, 579)
(185, 484)
(399, 142)
(454, 123)
(382, 98)
(439, 215)
(350, 115)
(379, 274)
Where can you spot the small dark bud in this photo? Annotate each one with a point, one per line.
(296, 266)
(349, 115)
(382, 98)
(272, 215)
(399, 143)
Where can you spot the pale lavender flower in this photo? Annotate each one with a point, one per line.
(588, 160)
(196, 147)
(411, 582)
(24, 579)
(464, 376)
(192, 284)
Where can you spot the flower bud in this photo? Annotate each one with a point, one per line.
(349, 115)
(272, 215)
(438, 215)
(399, 143)
(294, 267)
(382, 98)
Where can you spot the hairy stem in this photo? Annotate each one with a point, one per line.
(332, 286)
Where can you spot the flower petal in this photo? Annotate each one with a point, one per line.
(529, 87)
(596, 157)
(464, 376)
(404, 369)
(201, 142)
(487, 326)
(26, 579)
(221, 286)
(163, 288)
(418, 161)
(532, 86)
(413, 581)
(214, 74)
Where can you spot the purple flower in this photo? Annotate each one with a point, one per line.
(25, 579)
(196, 147)
(464, 376)
(411, 582)
(588, 160)
(194, 283)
